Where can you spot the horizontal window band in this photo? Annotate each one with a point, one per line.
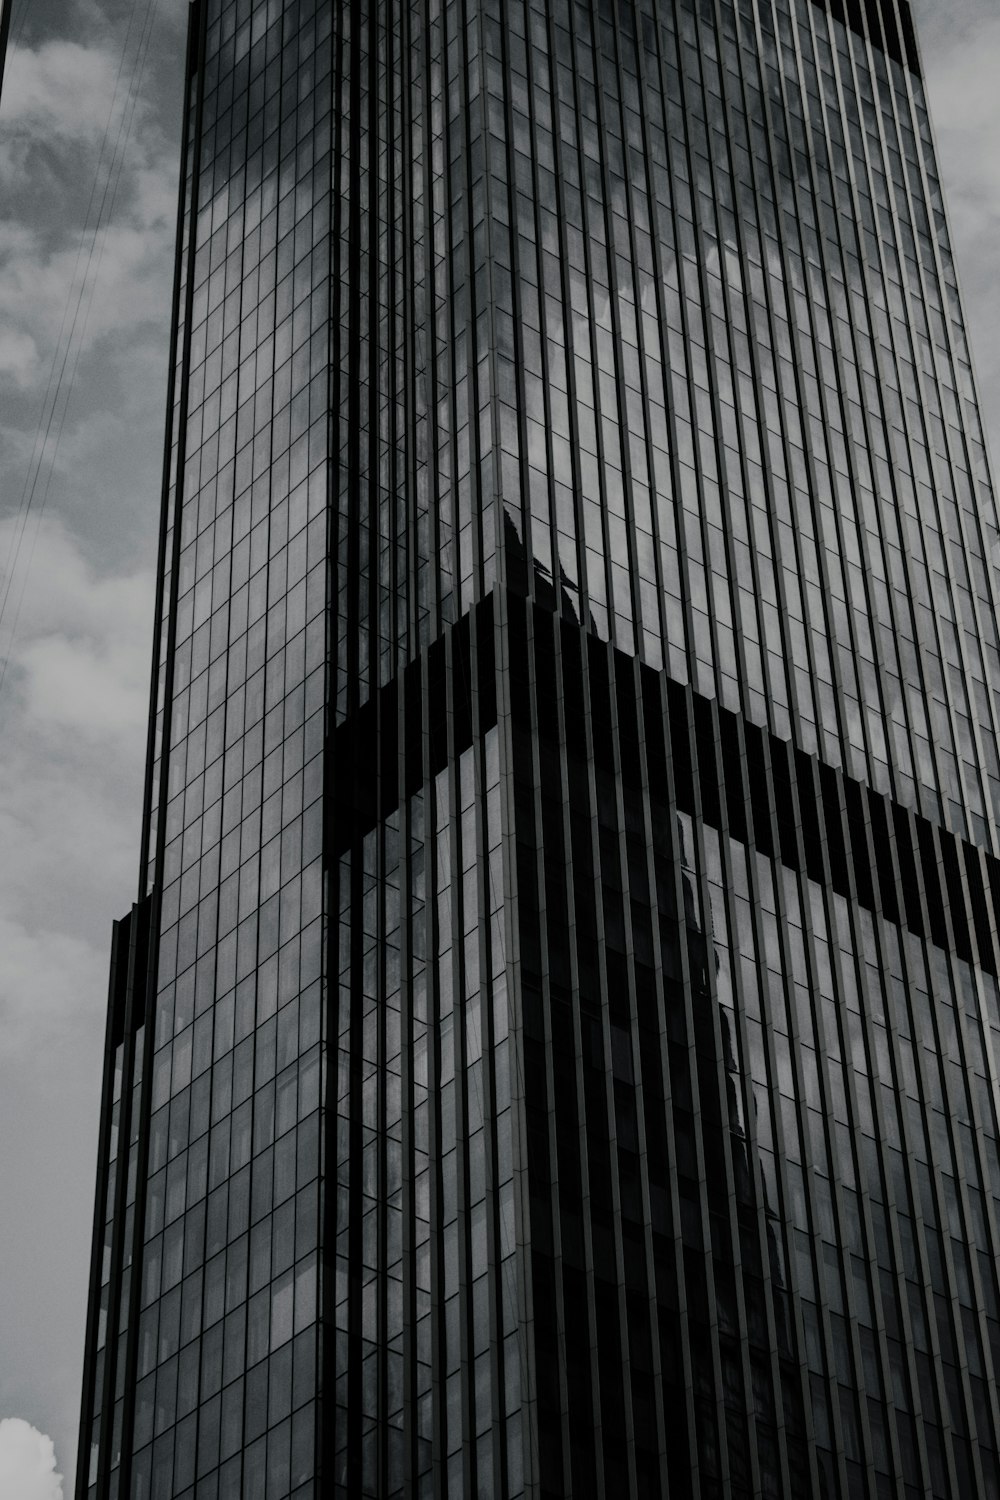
(364, 752)
(770, 795)
(767, 793)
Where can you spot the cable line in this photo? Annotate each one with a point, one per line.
(59, 390)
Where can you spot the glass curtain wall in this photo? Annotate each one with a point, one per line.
(733, 393)
(216, 1324)
(576, 637)
(761, 1118)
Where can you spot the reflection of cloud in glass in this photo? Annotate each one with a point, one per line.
(723, 1127)
(544, 589)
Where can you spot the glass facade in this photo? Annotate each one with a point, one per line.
(212, 1337)
(761, 1114)
(556, 1046)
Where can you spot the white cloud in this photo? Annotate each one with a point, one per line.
(44, 978)
(45, 292)
(75, 597)
(76, 149)
(73, 707)
(72, 739)
(19, 356)
(64, 91)
(27, 1463)
(81, 657)
(77, 688)
(966, 108)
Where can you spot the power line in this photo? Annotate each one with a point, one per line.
(52, 387)
(59, 390)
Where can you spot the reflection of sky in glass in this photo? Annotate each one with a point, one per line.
(432, 1016)
(786, 1073)
(645, 315)
(224, 1354)
(706, 361)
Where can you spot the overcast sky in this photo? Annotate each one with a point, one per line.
(73, 705)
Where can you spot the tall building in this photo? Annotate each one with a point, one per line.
(555, 1050)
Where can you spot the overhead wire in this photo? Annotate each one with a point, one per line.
(80, 298)
(45, 423)
(25, 7)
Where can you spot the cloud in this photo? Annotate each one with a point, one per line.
(81, 658)
(966, 108)
(78, 151)
(19, 356)
(43, 975)
(63, 89)
(74, 704)
(78, 688)
(49, 288)
(72, 739)
(27, 1463)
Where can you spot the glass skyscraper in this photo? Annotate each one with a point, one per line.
(555, 1050)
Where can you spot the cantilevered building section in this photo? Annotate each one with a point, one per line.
(555, 1050)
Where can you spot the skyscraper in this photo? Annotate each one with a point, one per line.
(556, 1046)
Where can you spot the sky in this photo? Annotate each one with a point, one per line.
(73, 699)
(73, 703)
